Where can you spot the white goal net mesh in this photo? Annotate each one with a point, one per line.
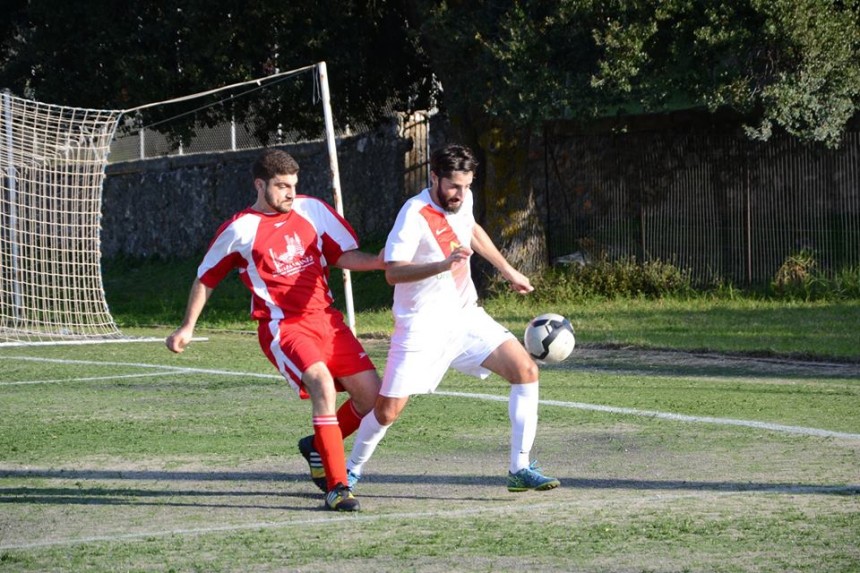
(52, 166)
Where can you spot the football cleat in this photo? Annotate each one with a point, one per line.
(352, 478)
(531, 478)
(310, 453)
(340, 498)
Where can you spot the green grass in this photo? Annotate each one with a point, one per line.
(108, 467)
(763, 327)
(707, 322)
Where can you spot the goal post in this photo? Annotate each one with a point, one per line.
(335, 181)
(52, 169)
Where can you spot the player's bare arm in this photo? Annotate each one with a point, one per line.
(356, 260)
(484, 246)
(406, 272)
(197, 299)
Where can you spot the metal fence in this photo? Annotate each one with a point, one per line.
(721, 206)
(134, 143)
(230, 136)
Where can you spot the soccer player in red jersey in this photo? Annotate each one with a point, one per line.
(282, 247)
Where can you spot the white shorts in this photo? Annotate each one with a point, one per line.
(410, 370)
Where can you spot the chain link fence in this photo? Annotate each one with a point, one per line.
(719, 205)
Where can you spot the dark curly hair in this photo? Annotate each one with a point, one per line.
(451, 158)
(274, 162)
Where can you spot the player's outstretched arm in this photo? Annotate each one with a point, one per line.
(197, 299)
(356, 260)
(484, 246)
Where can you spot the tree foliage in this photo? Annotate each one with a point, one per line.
(794, 64)
(122, 55)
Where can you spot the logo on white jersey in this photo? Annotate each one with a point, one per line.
(292, 259)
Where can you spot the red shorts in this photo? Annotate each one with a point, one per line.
(294, 344)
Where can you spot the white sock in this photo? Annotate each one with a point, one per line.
(368, 436)
(523, 412)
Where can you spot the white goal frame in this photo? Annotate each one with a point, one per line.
(52, 170)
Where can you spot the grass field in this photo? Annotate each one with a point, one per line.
(125, 457)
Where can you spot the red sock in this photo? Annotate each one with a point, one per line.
(348, 419)
(329, 443)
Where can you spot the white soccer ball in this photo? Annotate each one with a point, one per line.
(549, 338)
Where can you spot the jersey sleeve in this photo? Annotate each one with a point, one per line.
(335, 232)
(225, 252)
(405, 235)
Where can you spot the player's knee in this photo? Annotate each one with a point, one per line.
(530, 371)
(364, 394)
(525, 371)
(387, 410)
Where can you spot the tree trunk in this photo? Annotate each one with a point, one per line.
(506, 199)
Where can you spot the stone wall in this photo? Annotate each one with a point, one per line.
(171, 207)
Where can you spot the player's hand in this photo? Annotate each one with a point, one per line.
(519, 282)
(177, 341)
(458, 258)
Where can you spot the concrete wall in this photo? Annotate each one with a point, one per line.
(171, 207)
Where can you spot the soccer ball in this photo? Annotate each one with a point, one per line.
(549, 338)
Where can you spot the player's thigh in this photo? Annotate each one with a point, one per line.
(415, 370)
(484, 336)
(511, 361)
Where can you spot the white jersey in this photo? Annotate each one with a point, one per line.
(425, 233)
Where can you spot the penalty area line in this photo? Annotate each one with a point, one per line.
(672, 417)
(782, 428)
(89, 378)
(165, 368)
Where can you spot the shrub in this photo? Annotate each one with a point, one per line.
(613, 279)
(800, 278)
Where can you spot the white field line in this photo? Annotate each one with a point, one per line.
(674, 417)
(87, 379)
(163, 367)
(336, 519)
(500, 398)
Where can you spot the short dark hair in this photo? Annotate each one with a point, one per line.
(274, 162)
(451, 158)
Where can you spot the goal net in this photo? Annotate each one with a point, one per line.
(52, 165)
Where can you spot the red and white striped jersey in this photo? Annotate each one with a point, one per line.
(283, 259)
(425, 233)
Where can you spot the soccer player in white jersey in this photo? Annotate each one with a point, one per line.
(282, 247)
(438, 323)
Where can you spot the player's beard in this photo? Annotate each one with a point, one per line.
(284, 206)
(452, 208)
(447, 204)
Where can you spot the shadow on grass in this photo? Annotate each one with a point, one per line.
(126, 496)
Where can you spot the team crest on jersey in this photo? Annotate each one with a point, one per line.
(292, 259)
